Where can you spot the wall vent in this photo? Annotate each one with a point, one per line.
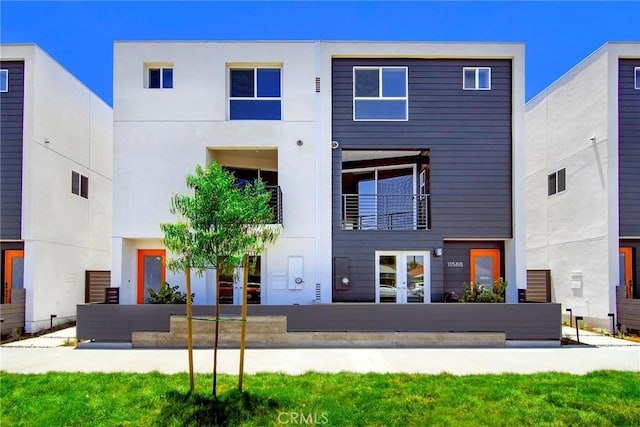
(317, 84)
(318, 293)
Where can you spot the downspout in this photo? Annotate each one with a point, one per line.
(318, 174)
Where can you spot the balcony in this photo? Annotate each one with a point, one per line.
(275, 203)
(385, 212)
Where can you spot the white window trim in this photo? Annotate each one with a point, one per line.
(636, 80)
(161, 66)
(255, 96)
(161, 77)
(555, 172)
(380, 97)
(6, 80)
(477, 78)
(79, 184)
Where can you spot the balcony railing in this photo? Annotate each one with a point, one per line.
(385, 212)
(275, 202)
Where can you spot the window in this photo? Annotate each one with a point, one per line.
(557, 182)
(79, 185)
(636, 72)
(380, 93)
(254, 94)
(476, 78)
(161, 78)
(158, 75)
(4, 80)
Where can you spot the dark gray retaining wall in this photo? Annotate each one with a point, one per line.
(114, 323)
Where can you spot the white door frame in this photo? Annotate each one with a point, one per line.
(401, 279)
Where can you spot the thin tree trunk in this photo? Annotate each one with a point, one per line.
(243, 321)
(189, 330)
(215, 341)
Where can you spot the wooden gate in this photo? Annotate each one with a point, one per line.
(95, 282)
(538, 286)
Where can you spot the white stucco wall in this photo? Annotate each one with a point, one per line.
(64, 234)
(161, 134)
(567, 126)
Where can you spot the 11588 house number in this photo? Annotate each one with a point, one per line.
(455, 264)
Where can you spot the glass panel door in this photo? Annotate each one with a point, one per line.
(387, 291)
(402, 277)
(13, 272)
(231, 285)
(395, 207)
(485, 266)
(151, 271)
(415, 278)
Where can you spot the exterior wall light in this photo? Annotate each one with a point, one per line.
(437, 252)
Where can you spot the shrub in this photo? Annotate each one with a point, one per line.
(476, 292)
(167, 295)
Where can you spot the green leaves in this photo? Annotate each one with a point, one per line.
(167, 294)
(219, 222)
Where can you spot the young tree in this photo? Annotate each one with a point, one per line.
(219, 224)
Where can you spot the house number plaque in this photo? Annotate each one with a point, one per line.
(455, 264)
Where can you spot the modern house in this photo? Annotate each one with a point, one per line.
(583, 183)
(55, 181)
(397, 169)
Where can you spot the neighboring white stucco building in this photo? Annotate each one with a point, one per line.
(64, 146)
(580, 159)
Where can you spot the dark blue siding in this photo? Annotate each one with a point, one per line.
(629, 148)
(468, 135)
(11, 113)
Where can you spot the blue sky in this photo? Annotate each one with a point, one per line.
(80, 35)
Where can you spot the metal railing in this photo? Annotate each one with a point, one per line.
(385, 212)
(275, 202)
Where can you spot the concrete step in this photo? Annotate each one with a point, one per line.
(271, 332)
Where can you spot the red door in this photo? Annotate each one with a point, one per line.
(151, 271)
(13, 272)
(485, 266)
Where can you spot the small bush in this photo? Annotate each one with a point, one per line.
(476, 292)
(167, 295)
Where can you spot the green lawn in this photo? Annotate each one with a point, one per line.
(59, 399)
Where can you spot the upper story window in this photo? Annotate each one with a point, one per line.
(636, 72)
(158, 76)
(380, 93)
(557, 182)
(4, 80)
(476, 78)
(255, 94)
(79, 184)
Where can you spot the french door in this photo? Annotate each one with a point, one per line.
(231, 285)
(151, 271)
(403, 277)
